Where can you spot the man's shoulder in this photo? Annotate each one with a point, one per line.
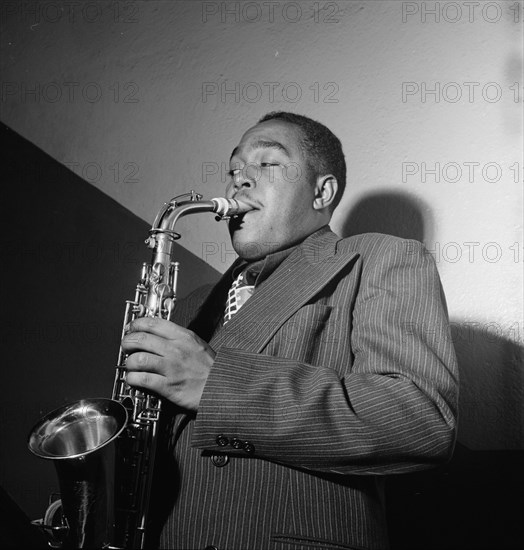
(377, 244)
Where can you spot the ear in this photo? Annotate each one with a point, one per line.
(325, 191)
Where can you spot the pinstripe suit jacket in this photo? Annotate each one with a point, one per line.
(338, 370)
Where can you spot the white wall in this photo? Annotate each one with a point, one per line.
(139, 91)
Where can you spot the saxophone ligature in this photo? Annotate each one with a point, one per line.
(104, 449)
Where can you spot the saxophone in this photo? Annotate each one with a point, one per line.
(104, 449)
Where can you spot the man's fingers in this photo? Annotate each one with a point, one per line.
(145, 362)
(144, 341)
(157, 326)
(147, 381)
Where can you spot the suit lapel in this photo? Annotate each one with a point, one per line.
(302, 275)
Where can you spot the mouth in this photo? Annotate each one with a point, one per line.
(247, 206)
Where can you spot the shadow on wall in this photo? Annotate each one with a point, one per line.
(491, 386)
(392, 213)
(467, 504)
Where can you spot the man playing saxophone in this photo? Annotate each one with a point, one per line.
(333, 368)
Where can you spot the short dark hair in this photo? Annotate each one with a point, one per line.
(322, 148)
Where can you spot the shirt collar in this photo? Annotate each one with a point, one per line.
(259, 270)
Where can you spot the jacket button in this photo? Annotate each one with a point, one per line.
(219, 460)
(236, 443)
(248, 447)
(222, 441)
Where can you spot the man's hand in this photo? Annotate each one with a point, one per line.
(167, 359)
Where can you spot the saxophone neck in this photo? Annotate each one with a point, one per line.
(178, 206)
(192, 203)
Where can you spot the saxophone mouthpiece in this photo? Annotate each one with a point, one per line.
(229, 208)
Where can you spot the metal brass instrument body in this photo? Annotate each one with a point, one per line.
(104, 449)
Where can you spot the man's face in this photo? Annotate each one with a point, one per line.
(269, 172)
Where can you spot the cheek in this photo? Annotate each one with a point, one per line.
(288, 206)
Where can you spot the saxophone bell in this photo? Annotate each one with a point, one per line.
(79, 438)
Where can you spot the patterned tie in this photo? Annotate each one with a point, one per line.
(238, 295)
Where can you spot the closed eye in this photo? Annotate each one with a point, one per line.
(234, 171)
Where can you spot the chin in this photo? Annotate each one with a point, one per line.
(248, 246)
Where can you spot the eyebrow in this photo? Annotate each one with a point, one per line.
(264, 144)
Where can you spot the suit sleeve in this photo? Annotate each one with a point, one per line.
(393, 410)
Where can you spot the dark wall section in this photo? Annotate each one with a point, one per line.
(472, 503)
(71, 257)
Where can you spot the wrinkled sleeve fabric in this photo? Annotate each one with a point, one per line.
(391, 409)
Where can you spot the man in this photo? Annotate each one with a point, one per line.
(337, 370)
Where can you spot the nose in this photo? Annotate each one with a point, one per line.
(242, 183)
(245, 178)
